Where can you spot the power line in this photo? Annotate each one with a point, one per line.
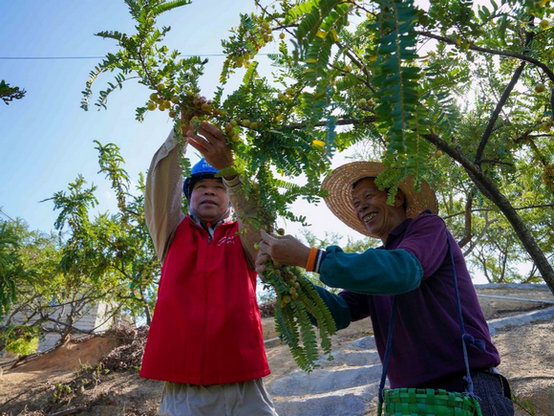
(2, 212)
(95, 57)
(48, 57)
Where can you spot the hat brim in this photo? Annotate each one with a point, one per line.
(339, 188)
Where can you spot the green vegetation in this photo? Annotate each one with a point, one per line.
(8, 93)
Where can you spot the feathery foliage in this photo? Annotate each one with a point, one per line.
(297, 305)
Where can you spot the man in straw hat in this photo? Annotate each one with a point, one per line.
(414, 266)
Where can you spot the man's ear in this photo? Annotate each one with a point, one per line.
(399, 199)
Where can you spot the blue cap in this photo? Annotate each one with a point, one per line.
(200, 170)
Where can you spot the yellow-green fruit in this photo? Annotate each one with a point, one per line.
(540, 88)
(206, 107)
(172, 114)
(318, 144)
(151, 106)
(544, 24)
(175, 100)
(282, 35)
(154, 96)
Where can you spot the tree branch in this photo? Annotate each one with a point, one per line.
(473, 47)
(496, 112)
(490, 209)
(358, 61)
(66, 412)
(495, 162)
(467, 223)
(491, 191)
(473, 241)
(339, 122)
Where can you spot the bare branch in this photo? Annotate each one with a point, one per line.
(473, 47)
(490, 209)
(496, 112)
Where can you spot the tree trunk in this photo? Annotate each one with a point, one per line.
(148, 315)
(490, 191)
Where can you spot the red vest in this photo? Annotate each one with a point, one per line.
(206, 327)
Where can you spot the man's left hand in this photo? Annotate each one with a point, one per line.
(212, 143)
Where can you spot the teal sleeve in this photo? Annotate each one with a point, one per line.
(374, 272)
(337, 306)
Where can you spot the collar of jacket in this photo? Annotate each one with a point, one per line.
(209, 227)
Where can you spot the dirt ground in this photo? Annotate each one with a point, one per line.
(98, 376)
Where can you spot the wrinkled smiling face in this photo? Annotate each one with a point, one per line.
(370, 205)
(209, 199)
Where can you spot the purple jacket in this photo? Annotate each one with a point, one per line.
(426, 343)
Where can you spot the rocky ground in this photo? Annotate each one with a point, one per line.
(98, 375)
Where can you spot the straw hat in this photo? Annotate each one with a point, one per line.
(339, 187)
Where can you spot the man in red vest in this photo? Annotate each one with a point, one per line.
(205, 341)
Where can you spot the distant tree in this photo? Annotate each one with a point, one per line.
(48, 282)
(8, 93)
(10, 265)
(112, 255)
(33, 258)
(126, 238)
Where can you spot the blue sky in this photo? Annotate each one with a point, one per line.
(46, 139)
